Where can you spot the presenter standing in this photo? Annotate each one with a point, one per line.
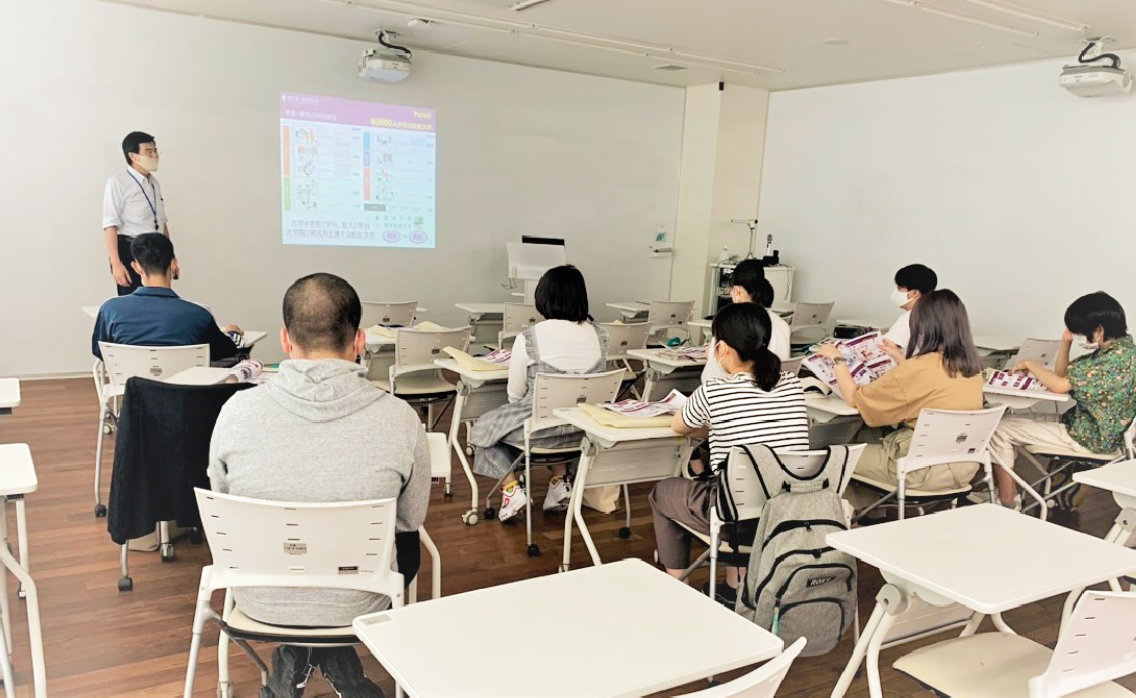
(132, 205)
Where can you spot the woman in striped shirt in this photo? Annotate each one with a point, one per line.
(756, 403)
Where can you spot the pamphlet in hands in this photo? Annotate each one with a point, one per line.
(1015, 381)
(638, 409)
(866, 359)
(247, 371)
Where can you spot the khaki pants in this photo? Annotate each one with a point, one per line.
(1017, 431)
(878, 463)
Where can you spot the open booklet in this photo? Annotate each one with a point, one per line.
(1015, 381)
(685, 353)
(494, 361)
(866, 359)
(638, 409)
(391, 332)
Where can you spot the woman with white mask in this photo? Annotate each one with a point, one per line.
(911, 283)
(749, 285)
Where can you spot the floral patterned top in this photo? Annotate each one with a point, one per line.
(1104, 386)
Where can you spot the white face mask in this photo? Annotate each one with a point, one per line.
(1084, 342)
(900, 298)
(148, 162)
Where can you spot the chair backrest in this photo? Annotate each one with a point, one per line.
(552, 391)
(622, 338)
(388, 314)
(415, 350)
(810, 314)
(669, 313)
(338, 545)
(748, 496)
(762, 682)
(792, 365)
(1096, 645)
(516, 318)
(1042, 350)
(123, 361)
(948, 436)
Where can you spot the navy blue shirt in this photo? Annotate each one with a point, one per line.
(157, 317)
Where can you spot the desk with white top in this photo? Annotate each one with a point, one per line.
(667, 373)
(699, 331)
(18, 478)
(478, 392)
(618, 456)
(623, 636)
(823, 408)
(9, 394)
(630, 309)
(1119, 478)
(986, 558)
(485, 320)
(1020, 399)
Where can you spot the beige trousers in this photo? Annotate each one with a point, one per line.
(878, 463)
(1018, 431)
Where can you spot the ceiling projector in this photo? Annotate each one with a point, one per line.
(1089, 79)
(388, 63)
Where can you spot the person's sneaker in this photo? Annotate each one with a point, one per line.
(723, 594)
(1017, 504)
(980, 496)
(512, 502)
(559, 491)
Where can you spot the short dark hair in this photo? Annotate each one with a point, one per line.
(939, 323)
(562, 295)
(133, 142)
(916, 277)
(153, 251)
(749, 274)
(746, 328)
(321, 312)
(1099, 309)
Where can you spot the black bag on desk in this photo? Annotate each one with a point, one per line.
(161, 453)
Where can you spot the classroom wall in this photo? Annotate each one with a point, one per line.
(520, 151)
(1016, 192)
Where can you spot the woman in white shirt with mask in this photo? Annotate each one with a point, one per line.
(751, 286)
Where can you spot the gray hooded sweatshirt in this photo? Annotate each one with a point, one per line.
(319, 431)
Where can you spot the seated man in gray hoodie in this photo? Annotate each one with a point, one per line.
(319, 431)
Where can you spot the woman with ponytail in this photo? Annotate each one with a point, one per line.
(755, 403)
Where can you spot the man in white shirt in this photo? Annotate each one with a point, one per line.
(911, 283)
(132, 205)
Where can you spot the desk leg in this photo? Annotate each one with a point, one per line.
(5, 606)
(652, 377)
(22, 537)
(36, 636)
(586, 458)
(890, 602)
(470, 517)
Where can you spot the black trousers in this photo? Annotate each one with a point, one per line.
(124, 255)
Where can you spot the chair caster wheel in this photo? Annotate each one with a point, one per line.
(469, 451)
(625, 533)
(100, 511)
(21, 593)
(125, 584)
(107, 428)
(196, 537)
(563, 567)
(469, 518)
(168, 553)
(490, 512)
(448, 493)
(534, 550)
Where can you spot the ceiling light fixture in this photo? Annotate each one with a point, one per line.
(1017, 11)
(525, 4)
(936, 10)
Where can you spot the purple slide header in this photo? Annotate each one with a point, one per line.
(333, 110)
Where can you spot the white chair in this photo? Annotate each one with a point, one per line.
(1058, 462)
(669, 315)
(516, 318)
(413, 376)
(762, 682)
(941, 437)
(1042, 350)
(18, 478)
(809, 323)
(552, 391)
(749, 498)
(260, 543)
(388, 314)
(121, 362)
(1096, 646)
(622, 338)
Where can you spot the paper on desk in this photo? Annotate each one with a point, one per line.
(495, 361)
(392, 332)
(620, 421)
(638, 409)
(687, 353)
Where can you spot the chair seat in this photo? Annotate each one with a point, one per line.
(419, 386)
(909, 493)
(241, 626)
(110, 391)
(1068, 453)
(988, 665)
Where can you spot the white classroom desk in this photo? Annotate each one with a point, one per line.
(631, 631)
(617, 456)
(478, 392)
(485, 320)
(823, 408)
(91, 310)
(18, 478)
(703, 331)
(1119, 478)
(630, 309)
(476, 311)
(1020, 399)
(9, 394)
(986, 558)
(683, 375)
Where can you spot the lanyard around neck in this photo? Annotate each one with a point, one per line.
(153, 206)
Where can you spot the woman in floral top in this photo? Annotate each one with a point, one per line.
(1103, 383)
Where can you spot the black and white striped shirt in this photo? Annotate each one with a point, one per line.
(738, 412)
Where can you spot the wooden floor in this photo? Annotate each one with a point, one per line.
(101, 642)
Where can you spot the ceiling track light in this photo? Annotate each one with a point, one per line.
(962, 17)
(1017, 11)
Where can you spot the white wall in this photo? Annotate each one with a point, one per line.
(1017, 193)
(520, 150)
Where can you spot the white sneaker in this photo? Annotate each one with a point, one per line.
(1016, 506)
(512, 502)
(559, 491)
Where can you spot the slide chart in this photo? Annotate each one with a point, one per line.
(356, 173)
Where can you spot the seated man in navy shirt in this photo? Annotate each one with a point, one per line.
(154, 316)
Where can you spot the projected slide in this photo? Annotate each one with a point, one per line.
(356, 173)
